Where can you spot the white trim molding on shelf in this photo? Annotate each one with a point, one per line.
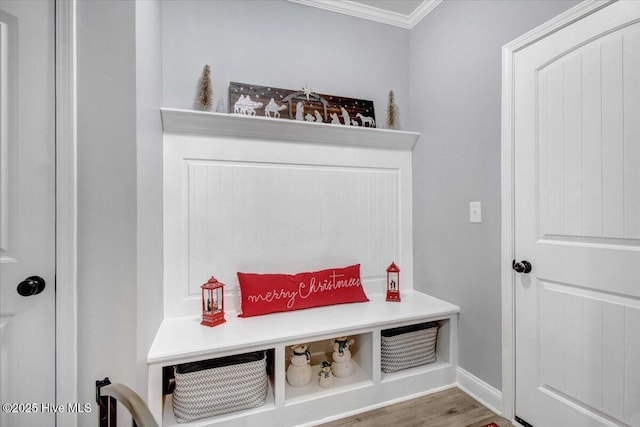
(364, 11)
(200, 122)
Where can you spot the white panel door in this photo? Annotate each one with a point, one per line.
(577, 215)
(27, 323)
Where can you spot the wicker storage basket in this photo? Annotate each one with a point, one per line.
(217, 386)
(408, 346)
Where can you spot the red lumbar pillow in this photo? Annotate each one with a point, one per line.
(271, 293)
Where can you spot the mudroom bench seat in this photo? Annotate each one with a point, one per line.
(328, 195)
(183, 339)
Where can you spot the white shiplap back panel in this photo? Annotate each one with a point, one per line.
(589, 130)
(264, 206)
(270, 217)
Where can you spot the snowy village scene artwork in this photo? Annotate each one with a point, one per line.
(303, 105)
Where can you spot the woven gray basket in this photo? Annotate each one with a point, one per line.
(218, 386)
(408, 346)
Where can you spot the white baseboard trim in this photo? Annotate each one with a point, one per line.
(484, 393)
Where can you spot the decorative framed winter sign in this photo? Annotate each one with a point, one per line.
(393, 283)
(303, 104)
(212, 302)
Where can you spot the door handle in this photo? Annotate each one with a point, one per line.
(523, 266)
(31, 286)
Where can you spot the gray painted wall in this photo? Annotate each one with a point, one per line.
(455, 101)
(281, 44)
(106, 96)
(119, 193)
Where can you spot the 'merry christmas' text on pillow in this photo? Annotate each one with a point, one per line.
(271, 293)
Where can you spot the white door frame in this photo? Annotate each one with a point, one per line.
(508, 167)
(66, 210)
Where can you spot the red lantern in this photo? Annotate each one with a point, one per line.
(212, 302)
(393, 283)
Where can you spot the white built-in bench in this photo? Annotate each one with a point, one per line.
(265, 195)
(183, 339)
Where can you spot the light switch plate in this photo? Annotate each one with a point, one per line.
(475, 212)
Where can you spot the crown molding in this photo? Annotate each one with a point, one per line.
(421, 11)
(371, 13)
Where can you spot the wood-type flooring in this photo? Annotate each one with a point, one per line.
(449, 408)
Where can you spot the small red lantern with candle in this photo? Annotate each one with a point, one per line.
(393, 283)
(212, 302)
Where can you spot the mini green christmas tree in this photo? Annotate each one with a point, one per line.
(391, 112)
(205, 94)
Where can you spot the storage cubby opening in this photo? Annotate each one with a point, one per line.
(169, 383)
(322, 350)
(442, 353)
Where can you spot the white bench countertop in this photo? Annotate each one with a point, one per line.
(181, 338)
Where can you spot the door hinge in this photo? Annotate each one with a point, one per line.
(523, 422)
